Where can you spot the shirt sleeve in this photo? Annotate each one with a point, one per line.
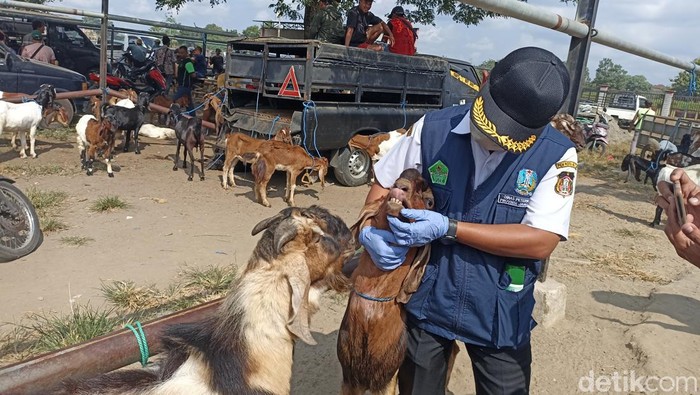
(550, 205)
(373, 19)
(406, 154)
(352, 19)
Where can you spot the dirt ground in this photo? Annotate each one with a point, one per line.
(632, 303)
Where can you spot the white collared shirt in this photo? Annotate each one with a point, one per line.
(546, 210)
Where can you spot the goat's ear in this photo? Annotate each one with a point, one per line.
(299, 281)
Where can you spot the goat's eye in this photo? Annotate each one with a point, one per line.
(429, 203)
(405, 189)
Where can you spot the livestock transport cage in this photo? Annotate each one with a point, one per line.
(662, 128)
(327, 93)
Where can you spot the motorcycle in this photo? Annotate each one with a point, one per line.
(596, 134)
(20, 233)
(146, 78)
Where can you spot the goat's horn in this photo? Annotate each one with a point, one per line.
(284, 233)
(264, 224)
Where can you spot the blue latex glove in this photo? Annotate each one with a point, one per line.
(428, 226)
(381, 246)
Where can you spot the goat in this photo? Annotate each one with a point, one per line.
(571, 128)
(238, 144)
(51, 114)
(129, 119)
(156, 132)
(93, 135)
(376, 145)
(247, 347)
(164, 101)
(212, 109)
(277, 155)
(372, 338)
(17, 118)
(188, 132)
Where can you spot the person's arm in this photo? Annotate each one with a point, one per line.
(685, 238)
(388, 33)
(511, 240)
(350, 26)
(348, 35)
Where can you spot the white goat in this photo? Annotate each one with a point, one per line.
(156, 132)
(18, 118)
(247, 347)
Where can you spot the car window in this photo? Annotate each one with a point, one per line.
(148, 42)
(70, 35)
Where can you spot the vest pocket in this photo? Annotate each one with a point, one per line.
(425, 292)
(505, 214)
(514, 310)
(442, 198)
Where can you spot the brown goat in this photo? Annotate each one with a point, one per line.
(238, 144)
(247, 347)
(569, 127)
(96, 135)
(164, 101)
(372, 335)
(277, 155)
(212, 109)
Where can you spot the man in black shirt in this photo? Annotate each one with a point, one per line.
(185, 76)
(217, 62)
(363, 28)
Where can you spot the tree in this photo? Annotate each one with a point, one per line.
(611, 74)
(637, 83)
(487, 65)
(682, 80)
(252, 31)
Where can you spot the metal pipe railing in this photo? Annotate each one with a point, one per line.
(102, 354)
(538, 16)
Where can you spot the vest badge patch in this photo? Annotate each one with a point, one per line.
(565, 184)
(512, 200)
(526, 182)
(438, 173)
(566, 163)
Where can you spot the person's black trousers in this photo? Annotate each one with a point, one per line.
(496, 372)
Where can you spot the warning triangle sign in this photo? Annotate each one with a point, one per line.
(284, 90)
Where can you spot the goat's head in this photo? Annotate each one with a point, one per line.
(284, 134)
(173, 115)
(143, 99)
(56, 113)
(310, 246)
(567, 125)
(46, 95)
(409, 191)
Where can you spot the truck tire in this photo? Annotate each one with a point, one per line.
(353, 167)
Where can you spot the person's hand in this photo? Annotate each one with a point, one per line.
(382, 247)
(684, 237)
(428, 226)
(391, 41)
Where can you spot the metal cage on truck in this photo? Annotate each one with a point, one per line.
(327, 93)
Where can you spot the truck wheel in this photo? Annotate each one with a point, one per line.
(353, 167)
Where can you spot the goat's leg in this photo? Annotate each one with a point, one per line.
(91, 153)
(231, 167)
(137, 151)
(13, 143)
(127, 139)
(291, 185)
(188, 150)
(391, 386)
(177, 154)
(201, 161)
(657, 217)
(348, 390)
(23, 144)
(108, 160)
(261, 189)
(32, 141)
(83, 164)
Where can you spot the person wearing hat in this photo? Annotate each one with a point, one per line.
(36, 25)
(503, 181)
(404, 34)
(327, 23)
(37, 50)
(363, 28)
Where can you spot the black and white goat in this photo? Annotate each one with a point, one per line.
(129, 119)
(188, 131)
(247, 348)
(18, 118)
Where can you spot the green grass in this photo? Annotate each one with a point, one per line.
(49, 225)
(61, 134)
(47, 205)
(77, 241)
(109, 203)
(211, 279)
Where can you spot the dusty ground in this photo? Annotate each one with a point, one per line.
(632, 303)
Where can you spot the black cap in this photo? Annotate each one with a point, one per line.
(524, 90)
(398, 10)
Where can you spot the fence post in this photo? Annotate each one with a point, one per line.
(666, 105)
(602, 96)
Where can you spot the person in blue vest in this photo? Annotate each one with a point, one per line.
(503, 181)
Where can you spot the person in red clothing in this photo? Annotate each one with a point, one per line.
(404, 34)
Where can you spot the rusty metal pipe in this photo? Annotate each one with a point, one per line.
(95, 92)
(99, 355)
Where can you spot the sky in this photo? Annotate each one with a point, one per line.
(666, 26)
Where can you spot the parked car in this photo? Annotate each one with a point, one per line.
(623, 106)
(18, 74)
(72, 47)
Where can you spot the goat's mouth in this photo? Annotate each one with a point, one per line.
(397, 201)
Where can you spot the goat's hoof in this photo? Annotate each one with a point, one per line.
(201, 178)
(125, 149)
(175, 168)
(110, 175)
(137, 152)
(189, 178)
(89, 172)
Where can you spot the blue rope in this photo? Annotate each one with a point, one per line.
(312, 105)
(141, 341)
(372, 298)
(692, 84)
(403, 107)
(274, 121)
(203, 103)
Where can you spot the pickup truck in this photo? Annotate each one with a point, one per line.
(26, 76)
(623, 106)
(327, 93)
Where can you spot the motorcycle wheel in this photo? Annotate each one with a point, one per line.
(597, 147)
(20, 233)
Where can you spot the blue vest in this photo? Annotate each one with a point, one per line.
(462, 295)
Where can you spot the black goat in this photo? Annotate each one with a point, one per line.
(129, 119)
(188, 132)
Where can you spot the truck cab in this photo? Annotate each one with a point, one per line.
(623, 106)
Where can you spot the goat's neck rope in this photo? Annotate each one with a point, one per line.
(373, 298)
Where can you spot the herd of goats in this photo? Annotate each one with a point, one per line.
(248, 346)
